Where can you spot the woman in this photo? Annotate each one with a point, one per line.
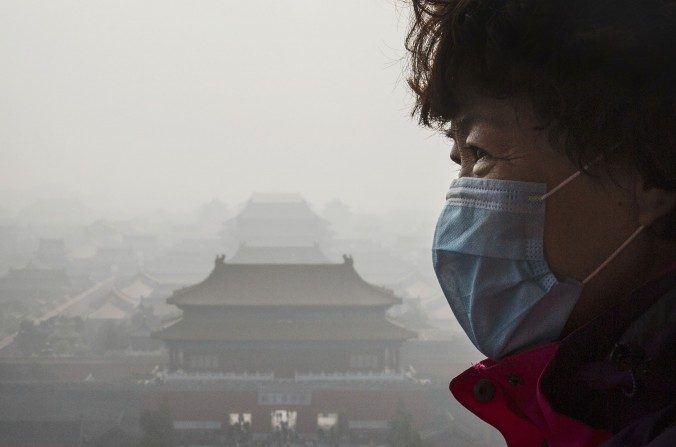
(555, 248)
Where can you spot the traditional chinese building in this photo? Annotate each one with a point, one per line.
(285, 349)
(281, 220)
(247, 254)
(284, 319)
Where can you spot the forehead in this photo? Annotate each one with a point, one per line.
(502, 114)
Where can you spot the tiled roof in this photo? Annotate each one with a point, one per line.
(108, 312)
(326, 285)
(248, 254)
(116, 306)
(121, 300)
(268, 327)
(277, 207)
(139, 288)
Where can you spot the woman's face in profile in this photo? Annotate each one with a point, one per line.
(585, 221)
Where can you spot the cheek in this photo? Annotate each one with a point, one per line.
(487, 168)
(565, 238)
(583, 226)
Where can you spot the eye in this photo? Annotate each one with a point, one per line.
(478, 152)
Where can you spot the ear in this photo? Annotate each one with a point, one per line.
(654, 204)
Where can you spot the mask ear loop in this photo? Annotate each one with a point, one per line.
(620, 248)
(562, 184)
(615, 253)
(572, 177)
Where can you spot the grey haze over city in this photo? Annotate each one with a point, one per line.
(216, 221)
(137, 106)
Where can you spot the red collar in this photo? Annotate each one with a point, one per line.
(506, 394)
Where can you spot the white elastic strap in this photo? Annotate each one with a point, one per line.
(615, 253)
(569, 179)
(561, 185)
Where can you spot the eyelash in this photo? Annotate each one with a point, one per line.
(478, 152)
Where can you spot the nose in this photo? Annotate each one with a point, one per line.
(455, 154)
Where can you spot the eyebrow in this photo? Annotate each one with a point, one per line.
(467, 121)
(460, 128)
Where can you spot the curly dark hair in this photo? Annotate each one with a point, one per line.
(599, 73)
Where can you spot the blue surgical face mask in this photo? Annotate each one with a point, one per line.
(489, 258)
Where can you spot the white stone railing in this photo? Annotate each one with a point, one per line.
(372, 376)
(207, 376)
(214, 377)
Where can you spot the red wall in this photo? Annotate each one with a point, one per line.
(349, 404)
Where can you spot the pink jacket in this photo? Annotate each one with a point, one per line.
(506, 395)
(611, 383)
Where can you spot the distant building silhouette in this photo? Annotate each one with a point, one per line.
(33, 285)
(51, 253)
(271, 220)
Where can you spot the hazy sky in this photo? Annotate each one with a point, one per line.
(133, 105)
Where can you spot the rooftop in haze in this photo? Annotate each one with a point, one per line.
(248, 254)
(273, 285)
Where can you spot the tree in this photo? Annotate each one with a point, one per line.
(402, 433)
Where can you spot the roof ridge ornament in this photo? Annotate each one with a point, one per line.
(348, 260)
(220, 260)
